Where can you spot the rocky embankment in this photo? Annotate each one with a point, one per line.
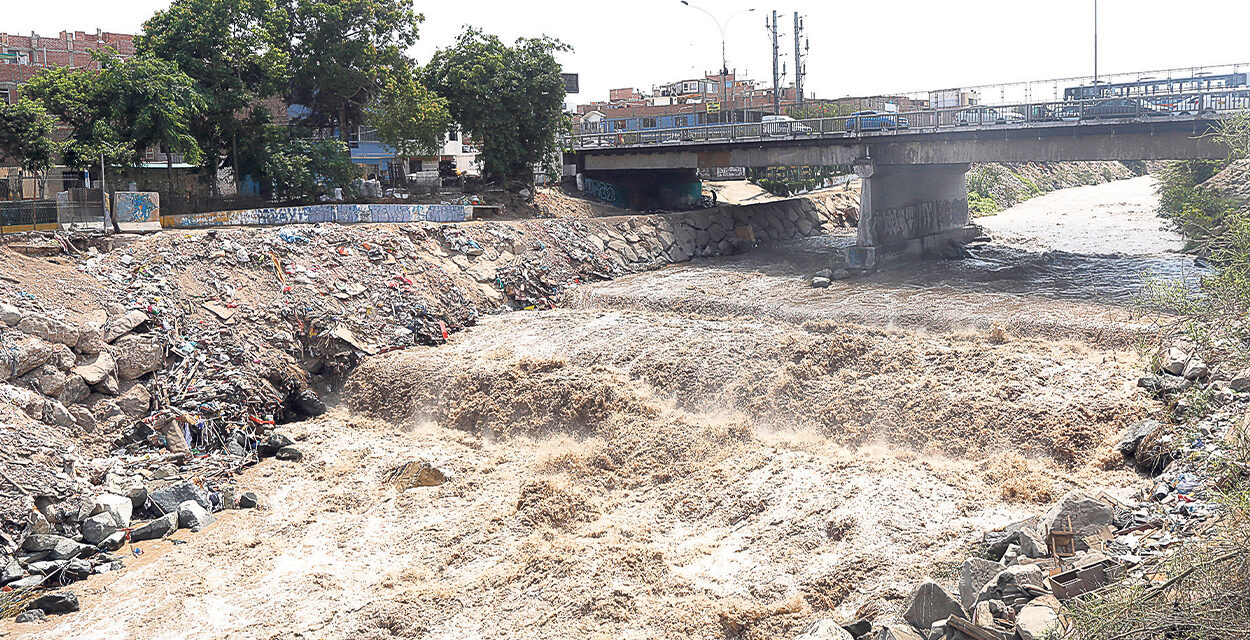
(994, 187)
(138, 378)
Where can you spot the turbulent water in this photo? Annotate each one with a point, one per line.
(709, 450)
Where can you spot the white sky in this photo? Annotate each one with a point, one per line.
(857, 48)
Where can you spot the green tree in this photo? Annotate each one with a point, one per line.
(342, 53)
(409, 118)
(236, 52)
(121, 110)
(26, 134)
(300, 168)
(509, 98)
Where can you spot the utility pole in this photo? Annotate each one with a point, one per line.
(800, 68)
(1096, 48)
(776, 66)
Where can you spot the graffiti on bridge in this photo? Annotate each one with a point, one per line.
(603, 191)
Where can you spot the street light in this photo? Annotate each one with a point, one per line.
(724, 63)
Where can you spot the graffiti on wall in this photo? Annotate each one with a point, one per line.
(603, 191)
(338, 213)
(137, 206)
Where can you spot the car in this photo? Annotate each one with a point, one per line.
(875, 121)
(784, 126)
(987, 115)
(1118, 108)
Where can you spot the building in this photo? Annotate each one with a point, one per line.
(23, 56)
(711, 99)
(378, 160)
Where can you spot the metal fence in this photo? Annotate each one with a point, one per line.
(47, 203)
(872, 123)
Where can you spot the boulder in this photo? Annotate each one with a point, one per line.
(824, 629)
(98, 527)
(113, 542)
(26, 355)
(248, 500)
(59, 415)
(272, 443)
(135, 401)
(156, 529)
(10, 315)
(821, 283)
(167, 499)
(46, 379)
(1080, 514)
(123, 484)
(96, 369)
(1173, 361)
(193, 516)
(1196, 369)
(1037, 620)
(841, 274)
(10, 570)
(56, 547)
(858, 628)
(49, 329)
(74, 391)
(30, 615)
(974, 574)
(118, 506)
(930, 603)
(1134, 435)
(289, 454)
(90, 340)
(1240, 381)
(307, 403)
(896, 632)
(56, 602)
(1009, 585)
(415, 474)
(138, 355)
(123, 325)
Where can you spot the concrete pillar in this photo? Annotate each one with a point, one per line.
(912, 209)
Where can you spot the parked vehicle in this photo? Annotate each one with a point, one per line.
(875, 121)
(784, 126)
(987, 115)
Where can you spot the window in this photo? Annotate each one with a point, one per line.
(618, 125)
(648, 123)
(13, 56)
(453, 134)
(681, 121)
(4, 96)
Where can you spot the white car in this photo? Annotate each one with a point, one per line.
(784, 126)
(987, 115)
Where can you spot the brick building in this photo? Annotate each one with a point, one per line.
(23, 56)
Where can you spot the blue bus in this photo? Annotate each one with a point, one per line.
(1155, 86)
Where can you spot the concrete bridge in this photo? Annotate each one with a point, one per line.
(915, 196)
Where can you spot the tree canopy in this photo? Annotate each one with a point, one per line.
(121, 110)
(343, 53)
(409, 117)
(26, 134)
(509, 98)
(235, 51)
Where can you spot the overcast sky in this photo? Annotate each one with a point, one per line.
(857, 48)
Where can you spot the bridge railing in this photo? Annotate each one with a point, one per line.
(871, 124)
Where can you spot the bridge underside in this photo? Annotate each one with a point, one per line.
(914, 197)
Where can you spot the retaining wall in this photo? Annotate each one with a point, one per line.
(339, 213)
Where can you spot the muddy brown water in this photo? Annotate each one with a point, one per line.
(709, 450)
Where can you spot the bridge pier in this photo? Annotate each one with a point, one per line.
(909, 210)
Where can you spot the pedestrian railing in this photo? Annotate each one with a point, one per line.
(1147, 108)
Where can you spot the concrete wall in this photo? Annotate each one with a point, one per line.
(338, 213)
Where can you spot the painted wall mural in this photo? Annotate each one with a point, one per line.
(137, 206)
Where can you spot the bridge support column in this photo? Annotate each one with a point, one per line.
(911, 210)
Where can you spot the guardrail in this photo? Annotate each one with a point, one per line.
(865, 124)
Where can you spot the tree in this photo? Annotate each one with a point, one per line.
(236, 52)
(409, 118)
(299, 168)
(510, 99)
(121, 110)
(343, 52)
(26, 134)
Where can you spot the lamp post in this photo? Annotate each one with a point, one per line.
(1096, 47)
(724, 63)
